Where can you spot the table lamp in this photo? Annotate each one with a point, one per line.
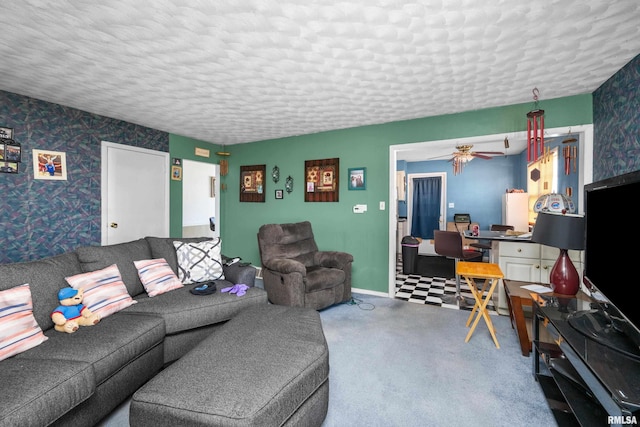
(562, 231)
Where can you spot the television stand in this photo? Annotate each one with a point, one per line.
(584, 381)
(595, 325)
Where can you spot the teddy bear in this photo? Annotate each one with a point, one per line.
(71, 313)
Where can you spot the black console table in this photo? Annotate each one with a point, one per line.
(585, 383)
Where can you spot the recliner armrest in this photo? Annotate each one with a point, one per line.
(284, 265)
(332, 259)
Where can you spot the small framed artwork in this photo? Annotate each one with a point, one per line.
(321, 177)
(357, 178)
(176, 173)
(50, 165)
(12, 151)
(279, 194)
(6, 133)
(9, 167)
(252, 183)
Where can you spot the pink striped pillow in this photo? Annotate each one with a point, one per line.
(104, 290)
(156, 276)
(19, 330)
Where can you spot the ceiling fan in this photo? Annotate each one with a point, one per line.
(465, 155)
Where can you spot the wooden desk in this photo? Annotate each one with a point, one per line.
(517, 299)
(491, 274)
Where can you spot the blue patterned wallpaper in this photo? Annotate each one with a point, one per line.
(616, 123)
(39, 218)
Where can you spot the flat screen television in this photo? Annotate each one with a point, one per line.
(609, 265)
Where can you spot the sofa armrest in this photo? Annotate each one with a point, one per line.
(236, 273)
(332, 259)
(285, 266)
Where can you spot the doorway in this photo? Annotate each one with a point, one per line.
(200, 199)
(426, 246)
(134, 193)
(424, 150)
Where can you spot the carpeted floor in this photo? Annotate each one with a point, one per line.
(407, 365)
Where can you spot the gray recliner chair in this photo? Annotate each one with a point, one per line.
(296, 273)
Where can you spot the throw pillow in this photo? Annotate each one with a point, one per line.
(199, 262)
(156, 276)
(19, 330)
(104, 291)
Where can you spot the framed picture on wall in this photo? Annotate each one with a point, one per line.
(321, 177)
(50, 165)
(9, 167)
(6, 133)
(176, 173)
(279, 194)
(252, 183)
(357, 179)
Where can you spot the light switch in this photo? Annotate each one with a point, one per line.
(452, 205)
(382, 206)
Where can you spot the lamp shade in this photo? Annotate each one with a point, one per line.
(559, 231)
(554, 202)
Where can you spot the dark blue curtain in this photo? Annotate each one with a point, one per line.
(426, 207)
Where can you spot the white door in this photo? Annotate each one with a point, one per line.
(135, 193)
(200, 199)
(426, 246)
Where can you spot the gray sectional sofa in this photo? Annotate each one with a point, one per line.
(77, 379)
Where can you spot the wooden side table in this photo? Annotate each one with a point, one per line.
(517, 298)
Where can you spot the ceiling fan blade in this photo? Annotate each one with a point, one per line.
(481, 156)
(499, 153)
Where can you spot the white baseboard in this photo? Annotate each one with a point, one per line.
(368, 292)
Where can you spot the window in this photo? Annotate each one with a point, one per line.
(542, 178)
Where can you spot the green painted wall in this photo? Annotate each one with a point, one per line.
(335, 226)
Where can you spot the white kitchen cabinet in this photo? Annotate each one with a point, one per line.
(528, 262)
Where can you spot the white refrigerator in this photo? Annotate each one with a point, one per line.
(515, 210)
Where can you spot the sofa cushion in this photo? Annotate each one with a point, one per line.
(183, 311)
(123, 254)
(104, 291)
(199, 262)
(256, 370)
(37, 391)
(45, 277)
(162, 247)
(156, 276)
(107, 346)
(19, 330)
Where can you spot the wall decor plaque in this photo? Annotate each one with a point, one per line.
(321, 179)
(252, 183)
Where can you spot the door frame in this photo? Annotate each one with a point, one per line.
(216, 182)
(585, 162)
(104, 178)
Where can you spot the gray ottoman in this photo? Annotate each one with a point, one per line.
(268, 366)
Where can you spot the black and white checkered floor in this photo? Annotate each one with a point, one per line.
(436, 291)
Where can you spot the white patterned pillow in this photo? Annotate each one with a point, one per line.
(156, 276)
(199, 262)
(104, 290)
(19, 330)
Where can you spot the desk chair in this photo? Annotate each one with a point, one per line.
(449, 244)
(485, 245)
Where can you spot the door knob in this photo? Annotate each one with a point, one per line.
(113, 225)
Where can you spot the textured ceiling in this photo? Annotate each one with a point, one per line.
(237, 71)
